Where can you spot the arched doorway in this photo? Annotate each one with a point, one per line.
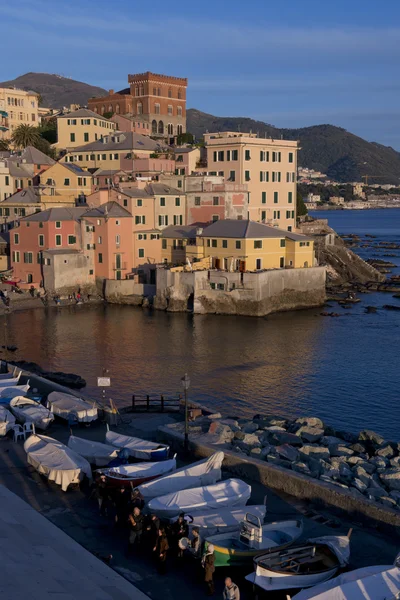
(161, 127)
(154, 126)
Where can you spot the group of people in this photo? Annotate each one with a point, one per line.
(147, 534)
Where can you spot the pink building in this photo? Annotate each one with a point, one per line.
(147, 166)
(211, 198)
(131, 123)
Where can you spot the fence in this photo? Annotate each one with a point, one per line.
(155, 403)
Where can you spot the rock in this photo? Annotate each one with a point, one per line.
(255, 452)
(273, 428)
(351, 438)
(279, 422)
(376, 493)
(387, 501)
(340, 450)
(301, 467)
(341, 485)
(239, 450)
(355, 492)
(288, 452)
(272, 458)
(222, 433)
(310, 422)
(310, 434)
(395, 495)
(337, 460)
(314, 452)
(379, 462)
(370, 436)
(354, 460)
(250, 439)
(362, 475)
(359, 485)
(345, 473)
(395, 462)
(358, 448)
(328, 440)
(250, 427)
(193, 428)
(391, 478)
(386, 451)
(278, 438)
(217, 416)
(326, 479)
(330, 472)
(367, 466)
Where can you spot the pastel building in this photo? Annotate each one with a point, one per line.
(21, 108)
(66, 183)
(187, 160)
(212, 198)
(81, 127)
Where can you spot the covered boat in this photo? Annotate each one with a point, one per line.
(134, 475)
(56, 461)
(28, 410)
(303, 565)
(140, 449)
(201, 473)
(239, 547)
(66, 405)
(9, 381)
(232, 492)
(7, 393)
(95, 453)
(369, 583)
(211, 522)
(7, 420)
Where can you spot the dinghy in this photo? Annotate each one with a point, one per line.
(140, 449)
(28, 410)
(134, 475)
(303, 565)
(56, 461)
(201, 473)
(7, 393)
(95, 453)
(7, 420)
(66, 406)
(224, 520)
(9, 381)
(232, 492)
(239, 548)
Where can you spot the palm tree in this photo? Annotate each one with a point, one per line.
(4, 145)
(25, 135)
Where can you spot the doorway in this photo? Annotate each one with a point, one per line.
(258, 264)
(282, 262)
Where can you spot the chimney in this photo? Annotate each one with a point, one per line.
(110, 92)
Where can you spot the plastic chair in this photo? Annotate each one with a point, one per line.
(29, 427)
(18, 432)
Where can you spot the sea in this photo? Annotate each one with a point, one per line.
(344, 370)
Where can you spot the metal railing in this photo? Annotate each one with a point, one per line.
(155, 403)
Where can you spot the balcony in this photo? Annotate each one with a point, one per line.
(120, 267)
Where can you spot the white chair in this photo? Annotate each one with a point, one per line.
(29, 427)
(18, 432)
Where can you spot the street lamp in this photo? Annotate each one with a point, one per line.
(186, 384)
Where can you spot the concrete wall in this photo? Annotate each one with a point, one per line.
(68, 272)
(118, 292)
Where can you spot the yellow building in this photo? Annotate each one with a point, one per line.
(267, 166)
(81, 127)
(22, 108)
(237, 245)
(66, 182)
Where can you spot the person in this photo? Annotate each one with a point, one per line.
(195, 543)
(161, 549)
(32, 291)
(152, 530)
(231, 590)
(135, 521)
(121, 502)
(101, 493)
(207, 562)
(137, 499)
(180, 529)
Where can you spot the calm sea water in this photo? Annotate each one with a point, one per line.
(345, 370)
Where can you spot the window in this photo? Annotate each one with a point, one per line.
(179, 111)
(117, 239)
(15, 256)
(28, 258)
(263, 197)
(224, 243)
(208, 243)
(290, 157)
(178, 220)
(162, 201)
(247, 175)
(276, 176)
(283, 243)
(139, 202)
(264, 156)
(177, 201)
(72, 137)
(288, 214)
(292, 214)
(163, 220)
(276, 157)
(85, 137)
(164, 244)
(16, 238)
(104, 157)
(71, 239)
(141, 252)
(170, 110)
(7, 180)
(247, 155)
(41, 240)
(276, 197)
(290, 197)
(277, 214)
(117, 222)
(258, 264)
(197, 201)
(234, 154)
(264, 175)
(238, 244)
(66, 181)
(221, 155)
(263, 215)
(214, 243)
(58, 224)
(232, 175)
(179, 183)
(215, 218)
(289, 228)
(100, 258)
(116, 156)
(7, 212)
(257, 244)
(216, 201)
(157, 109)
(58, 240)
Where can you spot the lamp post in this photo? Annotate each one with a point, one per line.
(186, 384)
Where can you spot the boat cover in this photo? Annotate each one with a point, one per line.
(26, 409)
(12, 391)
(58, 462)
(224, 519)
(201, 473)
(63, 405)
(232, 492)
(95, 452)
(369, 583)
(138, 448)
(142, 470)
(7, 420)
(8, 382)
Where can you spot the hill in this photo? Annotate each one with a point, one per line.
(55, 90)
(343, 156)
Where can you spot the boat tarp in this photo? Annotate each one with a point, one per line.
(9, 382)
(137, 448)
(7, 420)
(214, 520)
(339, 544)
(201, 473)
(56, 461)
(12, 391)
(232, 492)
(26, 409)
(369, 583)
(63, 405)
(95, 452)
(142, 470)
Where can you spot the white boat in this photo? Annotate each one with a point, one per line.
(140, 449)
(232, 492)
(201, 473)
(211, 522)
(56, 461)
(369, 583)
(66, 405)
(11, 391)
(301, 566)
(9, 381)
(95, 453)
(7, 420)
(134, 475)
(28, 410)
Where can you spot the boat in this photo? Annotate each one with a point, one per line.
(369, 583)
(140, 449)
(9, 381)
(7, 420)
(7, 393)
(28, 410)
(56, 461)
(223, 520)
(232, 492)
(95, 453)
(303, 565)
(66, 406)
(238, 548)
(201, 473)
(134, 475)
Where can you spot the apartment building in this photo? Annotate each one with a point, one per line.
(81, 127)
(210, 198)
(187, 160)
(268, 167)
(66, 183)
(21, 108)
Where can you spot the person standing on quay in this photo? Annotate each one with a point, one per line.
(231, 590)
(207, 562)
(161, 548)
(135, 521)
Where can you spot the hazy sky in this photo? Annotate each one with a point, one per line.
(291, 63)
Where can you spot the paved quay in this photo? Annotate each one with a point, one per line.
(76, 514)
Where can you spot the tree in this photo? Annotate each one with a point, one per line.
(44, 146)
(40, 99)
(185, 138)
(301, 208)
(48, 130)
(4, 145)
(25, 135)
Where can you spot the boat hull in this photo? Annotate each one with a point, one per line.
(231, 557)
(118, 481)
(269, 580)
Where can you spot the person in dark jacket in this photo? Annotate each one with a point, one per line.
(231, 590)
(161, 549)
(152, 529)
(207, 562)
(135, 521)
(179, 529)
(121, 502)
(101, 494)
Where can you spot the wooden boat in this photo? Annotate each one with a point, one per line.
(66, 406)
(303, 565)
(140, 449)
(238, 548)
(7, 420)
(28, 410)
(138, 473)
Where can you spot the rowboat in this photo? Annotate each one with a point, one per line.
(201, 473)
(28, 410)
(134, 475)
(56, 461)
(66, 406)
(95, 453)
(140, 449)
(7, 420)
(303, 565)
(239, 548)
(7, 393)
(224, 520)
(232, 492)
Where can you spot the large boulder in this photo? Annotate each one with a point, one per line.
(340, 450)
(367, 466)
(288, 452)
(220, 434)
(301, 467)
(310, 422)
(370, 436)
(283, 437)
(273, 428)
(376, 493)
(362, 475)
(328, 440)
(359, 485)
(345, 473)
(310, 434)
(395, 495)
(385, 451)
(239, 435)
(314, 452)
(395, 462)
(347, 436)
(354, 460)
(359, 448)
(249, 427)
(391, 478)
(379, 462)
(387, 501)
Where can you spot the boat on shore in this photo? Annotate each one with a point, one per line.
(7, 421)
(96, 453)
(223, 520)
(138, 448)
(8, 393)
(27, 410)
(67, 406)
(138, 473)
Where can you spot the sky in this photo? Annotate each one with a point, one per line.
(290, 63)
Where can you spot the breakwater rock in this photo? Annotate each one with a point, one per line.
(365, 464)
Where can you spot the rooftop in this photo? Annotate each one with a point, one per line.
(26, 196)
(109, 209)
(57, 214)
(230, 228)
(136, 193)
(32, 156)
(180, 232)
(122, 141)
(157, 189)
(82, 113)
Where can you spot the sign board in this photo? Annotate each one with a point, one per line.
(103, 381)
